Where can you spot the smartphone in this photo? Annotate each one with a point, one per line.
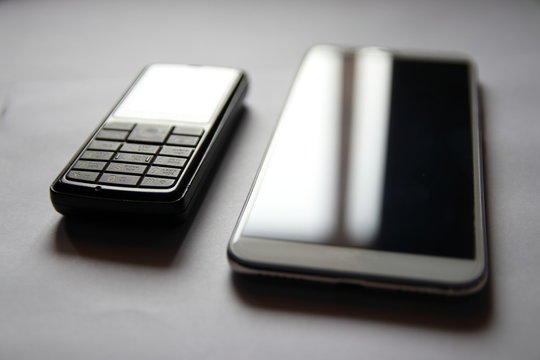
(153, 152)
(373, 176)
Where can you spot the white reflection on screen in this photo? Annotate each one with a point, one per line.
(369, 133)
(178, 92)
(297, 199)
(324, 176)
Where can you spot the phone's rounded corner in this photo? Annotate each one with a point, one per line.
(473, 282)
(234, 262)
(238, 255)
(52, 188)
(323, 46)
(244, 81)
(58, 202)
(233, 251)
(479, 285)
(479, 281)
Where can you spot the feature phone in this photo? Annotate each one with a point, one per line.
(153, 152)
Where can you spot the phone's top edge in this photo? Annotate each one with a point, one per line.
(149, 65)
(432, 54)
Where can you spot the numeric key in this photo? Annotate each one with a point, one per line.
(133, 158)
(119, 179)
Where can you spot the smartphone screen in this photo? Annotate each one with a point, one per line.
(374, 150)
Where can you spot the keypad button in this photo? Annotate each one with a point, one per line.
(176, 151)
(97, 155)
(154, 134)
(170, 161)
(140, 148)
(183, 140)
(105, 134)
(187, 130)
(157, 182)
(163, 171)
(133, 158)
(126, 168)
(117, 125)
(104, 145)
(119, 179)
(82, 175)
(89, 165)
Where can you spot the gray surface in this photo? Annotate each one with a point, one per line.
(64, 64)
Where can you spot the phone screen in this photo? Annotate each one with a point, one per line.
(178, 92)
(374, 150)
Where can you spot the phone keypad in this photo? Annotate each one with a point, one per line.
(137, 155)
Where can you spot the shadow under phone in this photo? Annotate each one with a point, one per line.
(149, 243)
(139, 240)
(471, 313)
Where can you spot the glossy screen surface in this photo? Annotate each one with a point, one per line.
(373, 150)
(178, 92)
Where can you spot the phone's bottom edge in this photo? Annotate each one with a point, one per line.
(471, 289)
